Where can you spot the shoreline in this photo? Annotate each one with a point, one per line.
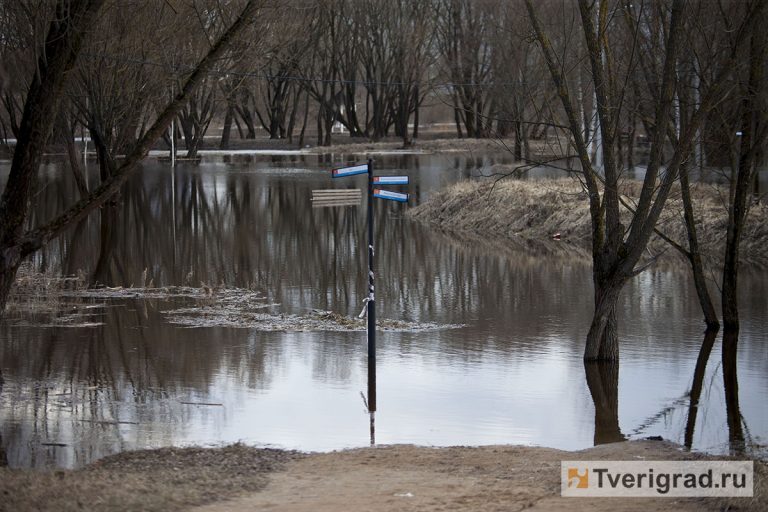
(391, 477)
(554, 214)
(428, 144)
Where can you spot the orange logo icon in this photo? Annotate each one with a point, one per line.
(578, 480)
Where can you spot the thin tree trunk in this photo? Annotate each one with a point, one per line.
(694, 253)
(74, 161)
(457, 120)
(737, 214)
(304, 122)
(320, 139)
(225, 134)
(416, 112)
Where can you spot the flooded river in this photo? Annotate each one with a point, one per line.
(126, 377)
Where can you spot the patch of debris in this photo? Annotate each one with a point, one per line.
(73, 305)
(220, 315)
(166, 292)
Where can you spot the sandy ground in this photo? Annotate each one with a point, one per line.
(391, 478)
(497, 478)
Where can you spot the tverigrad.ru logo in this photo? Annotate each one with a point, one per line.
(657, 478)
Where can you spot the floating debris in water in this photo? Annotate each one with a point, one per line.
(222, 316)
(218, 307)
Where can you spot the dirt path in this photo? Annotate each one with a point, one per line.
(239, 478)
(407, 478)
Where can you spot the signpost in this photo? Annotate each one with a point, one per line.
(321, 198)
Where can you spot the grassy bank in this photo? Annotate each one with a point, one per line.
(538, 210)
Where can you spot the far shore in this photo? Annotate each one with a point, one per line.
(428, 143)
(384, 478)
(555, 214)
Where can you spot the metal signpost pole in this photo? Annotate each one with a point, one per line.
(371, 299)
(344, 197)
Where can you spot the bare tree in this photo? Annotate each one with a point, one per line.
(464, 41)
(67, 30)
(617, 249)
(754, 131)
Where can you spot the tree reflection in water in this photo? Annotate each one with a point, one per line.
(251, 225)
(731, 385)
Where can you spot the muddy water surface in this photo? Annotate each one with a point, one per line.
(124, 376)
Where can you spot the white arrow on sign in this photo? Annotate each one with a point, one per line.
(350, 171)
(390, 180)
(392, 196)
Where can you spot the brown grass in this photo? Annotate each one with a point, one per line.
(438, 145)
(151, 480)
(537, 210)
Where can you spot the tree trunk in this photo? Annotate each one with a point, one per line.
(62, 45)
(304, 122)
(751, 122)
(602, 338)
(320, 139)
(518, 140)
(603, 384)
(405, 114)
(102, 273)
(694, 253)
(74, 160)
(416, 105)
(457, 120)
(240, 133)
(226, 131)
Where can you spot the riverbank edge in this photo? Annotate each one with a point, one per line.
(239, 477)
(439, 143)
(551, 216)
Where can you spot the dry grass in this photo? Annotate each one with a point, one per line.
(41, 297)
(514, 209)
(439, 145)
(152, 480)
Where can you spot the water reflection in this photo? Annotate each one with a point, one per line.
(731, 386)
(514, 374)
(698, 382)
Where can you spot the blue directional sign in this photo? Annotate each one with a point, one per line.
(390, 180)
(392, 196)
(350, 171)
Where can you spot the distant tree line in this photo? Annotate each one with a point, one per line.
(600, 77)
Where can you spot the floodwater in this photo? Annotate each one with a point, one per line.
(513, 373)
